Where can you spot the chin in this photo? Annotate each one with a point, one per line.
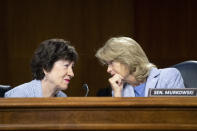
(63, 87)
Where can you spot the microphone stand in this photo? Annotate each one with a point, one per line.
(85, 86)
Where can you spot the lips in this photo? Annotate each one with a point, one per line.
(67, 80)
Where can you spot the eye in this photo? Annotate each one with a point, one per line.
(66, 65)
(109, 63)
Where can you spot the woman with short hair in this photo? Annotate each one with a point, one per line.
(52, 69)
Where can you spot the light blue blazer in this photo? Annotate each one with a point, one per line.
(158, 78)
(30, 89)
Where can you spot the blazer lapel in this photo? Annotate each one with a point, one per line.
(152, 80)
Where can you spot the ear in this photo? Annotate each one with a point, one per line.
(45, 72)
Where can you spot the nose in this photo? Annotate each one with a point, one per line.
(70, 72)
(109, 69)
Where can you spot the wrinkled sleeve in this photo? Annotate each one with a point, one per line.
(175, 79)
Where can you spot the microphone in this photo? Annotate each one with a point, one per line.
(85, 86)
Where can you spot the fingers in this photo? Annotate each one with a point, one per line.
(116, 79)
(116, 82)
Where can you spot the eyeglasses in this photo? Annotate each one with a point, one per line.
(109, 63)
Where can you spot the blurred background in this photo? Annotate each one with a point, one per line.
(166, 30)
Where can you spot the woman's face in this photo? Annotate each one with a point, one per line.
(115, 67)
(61, 74)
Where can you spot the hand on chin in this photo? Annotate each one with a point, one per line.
(116, 82)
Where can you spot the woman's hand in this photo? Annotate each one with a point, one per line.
(117, 84)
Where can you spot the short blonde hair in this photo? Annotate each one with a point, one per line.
(128, 52)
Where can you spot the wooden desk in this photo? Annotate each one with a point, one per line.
(98, 113)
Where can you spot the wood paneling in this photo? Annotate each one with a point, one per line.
(91, 113)
(165, 29)
(86, 23)
(3, 47)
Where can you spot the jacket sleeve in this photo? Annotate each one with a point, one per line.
(175, 79)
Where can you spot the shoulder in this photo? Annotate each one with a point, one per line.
(165, 72)
(18, 91)
(171, 78)
(170, 72)
(24, 90)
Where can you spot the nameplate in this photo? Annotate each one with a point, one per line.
(191, 92)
